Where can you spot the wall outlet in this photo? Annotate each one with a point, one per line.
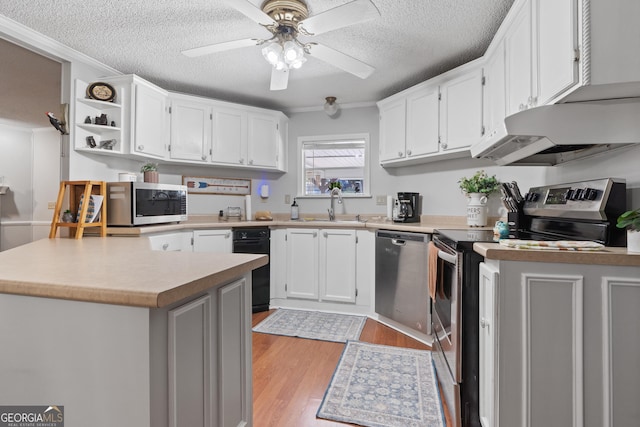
(287, 199)
(51, 205)
(381, 200)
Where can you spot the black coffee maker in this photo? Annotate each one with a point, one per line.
(408, 207)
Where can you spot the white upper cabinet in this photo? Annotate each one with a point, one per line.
(393, 119)
(229, 136)
(190, 130)
(262, 140)
(422, 122)
(461, 111)
(493, 96)
(519, 67)
(555, 46)
(146, 121)
(435, 120)
(150, 133)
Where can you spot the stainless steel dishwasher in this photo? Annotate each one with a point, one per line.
(402, 292)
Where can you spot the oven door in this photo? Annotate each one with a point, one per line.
(446, 308)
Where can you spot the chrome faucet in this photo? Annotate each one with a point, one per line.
(335, 191)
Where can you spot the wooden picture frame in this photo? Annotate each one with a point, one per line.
(216, 185)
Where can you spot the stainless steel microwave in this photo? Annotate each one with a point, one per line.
(142, 203)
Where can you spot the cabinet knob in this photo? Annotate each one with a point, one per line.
(165, 246)
(227, 235)
(400, 153)
(522, 107)
(484, 323)
(250, 162)
(204, 157)
(241, 161)
(408, 152)
(325, 234)
(315, 234)
(140, 147)
(444, 145)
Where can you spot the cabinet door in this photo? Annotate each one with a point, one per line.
(262, 145)
(212, 241)
(461, 111)
(171, 242)
(493, 97)
(338, 265)
(234, 350)
(190, 131)
(556, 39)
(488, 340)
(229, 142)
(302, 263)
(392, 130)
(150, 134)
(518, 61)
(278, 263)
(190, 364)
(422, 122)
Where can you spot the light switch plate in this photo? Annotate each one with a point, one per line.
(51, 205)
(287, 198)
(381, 200)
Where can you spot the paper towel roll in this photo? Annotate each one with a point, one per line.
(247, 208)
(389, 207)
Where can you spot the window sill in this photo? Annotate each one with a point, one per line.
(328, 196)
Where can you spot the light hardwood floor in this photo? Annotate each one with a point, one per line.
(290, 375)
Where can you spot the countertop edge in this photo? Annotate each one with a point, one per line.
(609, 256)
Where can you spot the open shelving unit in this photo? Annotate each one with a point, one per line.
(80, 190)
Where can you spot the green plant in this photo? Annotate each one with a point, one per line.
(335, 184)
(149, 167)
(629, 219)
(480, 182)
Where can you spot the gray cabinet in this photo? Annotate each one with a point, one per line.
(561, 341)
(210, 359)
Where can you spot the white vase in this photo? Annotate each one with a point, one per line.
(633, 241)
(477, 210)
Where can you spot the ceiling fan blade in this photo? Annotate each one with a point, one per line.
(219, 47)
(348, 14)
(279, 79)
(250, 11)
(341, 60)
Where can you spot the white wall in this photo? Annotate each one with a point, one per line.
(30, 164)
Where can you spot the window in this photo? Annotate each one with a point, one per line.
(334, 158)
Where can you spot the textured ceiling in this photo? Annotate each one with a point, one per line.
(411, 42)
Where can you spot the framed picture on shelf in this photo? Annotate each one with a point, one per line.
(214, 185)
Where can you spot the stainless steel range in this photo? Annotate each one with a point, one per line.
(577, 211)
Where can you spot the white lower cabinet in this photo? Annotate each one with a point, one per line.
(337, 265)
(171, 242)
(558, 344)
(215, 240)
(210, 359)
(302, 263)
(322, 268)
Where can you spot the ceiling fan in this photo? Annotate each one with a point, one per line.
(288, 19)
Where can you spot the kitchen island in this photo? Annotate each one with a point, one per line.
(558, 338)
(122, 335)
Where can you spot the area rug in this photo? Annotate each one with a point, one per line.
(313, 325)
(381, 386)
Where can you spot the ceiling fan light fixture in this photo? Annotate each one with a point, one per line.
(331, 106)
(292, 51)
(272, 53)
(298, 63)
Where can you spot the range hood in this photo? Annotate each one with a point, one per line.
(553, 134)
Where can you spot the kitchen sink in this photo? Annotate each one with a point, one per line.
(338, 221)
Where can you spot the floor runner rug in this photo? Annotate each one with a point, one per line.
(313, 325)
(382, 386)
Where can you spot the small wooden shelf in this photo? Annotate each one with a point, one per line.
(80, 190)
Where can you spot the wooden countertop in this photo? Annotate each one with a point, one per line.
(116, 270)
(608, 256)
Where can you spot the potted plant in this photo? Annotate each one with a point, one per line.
(150, 171)
(631, 221)
(477, 189)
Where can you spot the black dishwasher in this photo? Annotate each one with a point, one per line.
(255, 240)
